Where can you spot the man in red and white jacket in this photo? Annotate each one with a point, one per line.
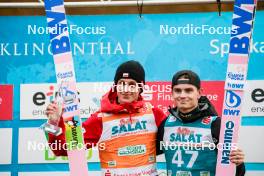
(126, 126)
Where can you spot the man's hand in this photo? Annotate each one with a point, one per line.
(237, 156)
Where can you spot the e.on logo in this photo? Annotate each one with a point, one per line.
(41, 98)
(257, 95)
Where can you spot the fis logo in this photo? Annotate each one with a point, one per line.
(232, 101)
(68, 96)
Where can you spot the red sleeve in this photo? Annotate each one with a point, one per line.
(159, 116)
(93, 130)
(56, 141)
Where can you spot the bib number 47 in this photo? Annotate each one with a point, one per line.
(177, 158)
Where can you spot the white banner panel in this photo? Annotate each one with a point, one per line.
(5, 174)
(34, 98)
(5, 145)
(253, 103)
(33, 148)
(254, 173)
(251, 142)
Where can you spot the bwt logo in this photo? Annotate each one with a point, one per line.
(235, 86)
(257, 95)
(41, 98)
(1, 100)
(232, 100)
